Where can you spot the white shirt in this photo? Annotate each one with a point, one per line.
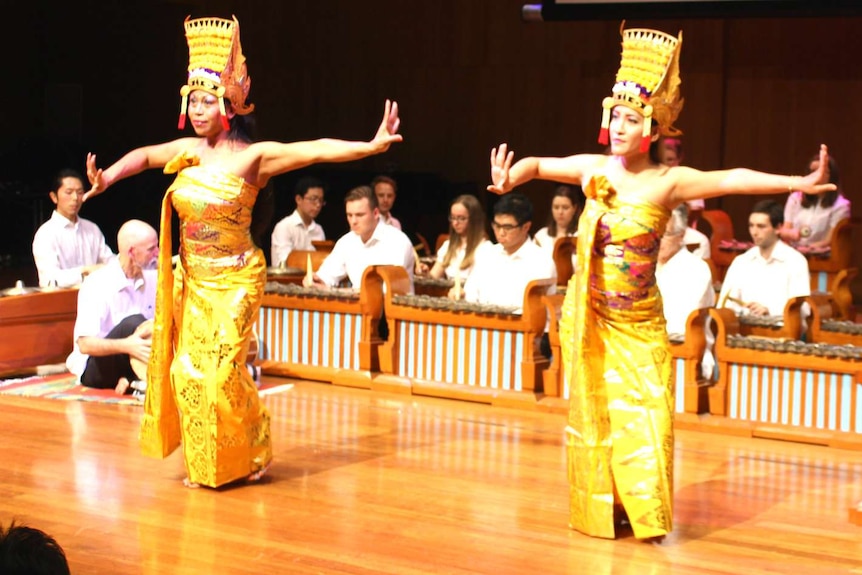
(501, 279)
(105, 299)
(350, 256)
(454, 267)
(544, 240)
(390, 220)
(819, 221)
(685, 283)
(61, 248)
(290, 234)
(693, 236)
(752, 279)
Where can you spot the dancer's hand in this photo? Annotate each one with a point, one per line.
(387, 133)
(97, 182)
(817, 182)
(501, 161)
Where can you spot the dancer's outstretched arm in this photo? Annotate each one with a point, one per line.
(505, 176)
(277, 158)
(691, 184)
(135, 162)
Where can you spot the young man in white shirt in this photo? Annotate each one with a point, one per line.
(369, 242)
(114, 304)
(386, 189)
(502, 271)
(760, 281)
(298, 230)
(67, 247)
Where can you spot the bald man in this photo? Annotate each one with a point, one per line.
(114, 304)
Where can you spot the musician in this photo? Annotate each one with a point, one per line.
(68, 247)
(502, 271)
(298, 230)
(369, 242)
(113, 305)
(760, 281)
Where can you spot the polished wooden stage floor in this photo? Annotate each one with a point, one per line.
(368, 483)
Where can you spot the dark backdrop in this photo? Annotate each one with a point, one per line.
(103, 76)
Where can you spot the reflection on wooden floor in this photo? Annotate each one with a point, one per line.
(367, 483)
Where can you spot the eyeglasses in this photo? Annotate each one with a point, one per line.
(458, 219)
(315, 200)
(504, 227)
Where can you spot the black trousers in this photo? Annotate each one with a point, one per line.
(103, 372)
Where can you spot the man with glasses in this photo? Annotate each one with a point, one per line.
(501, 272)
(298, 230)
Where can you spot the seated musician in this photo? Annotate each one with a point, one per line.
(760, 281)
(567, 204)
(809, 219)
(114, 305)
(501, 272)
(67, 247)
(684, 280)
(369, 242)
(298, 230)
(467, 238)
(385, 188)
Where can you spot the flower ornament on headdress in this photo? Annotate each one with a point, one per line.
(216, 65)
(647, 81)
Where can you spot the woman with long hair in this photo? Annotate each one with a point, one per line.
(615, 347)
(566, 205)
(467, 236)
(198, 387)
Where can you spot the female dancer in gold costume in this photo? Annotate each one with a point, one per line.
(615, 349)
(199, 390)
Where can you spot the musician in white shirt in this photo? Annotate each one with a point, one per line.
(67, 247)
(369, 242)
(298, 230)
(760, 281)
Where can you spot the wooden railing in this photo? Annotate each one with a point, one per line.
(722, 230)
(554, 378)
(832, 274)
(564, 251)
(325, 335)
(826, 328)
(36, 329)
(786, 389)
(447, 351)
(690, 388)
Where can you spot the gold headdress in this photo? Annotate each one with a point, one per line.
(648, 81)
(216, 65)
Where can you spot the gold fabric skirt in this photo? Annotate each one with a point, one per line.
(616, 354)
(199, 388)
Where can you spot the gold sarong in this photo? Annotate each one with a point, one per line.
(617, 357)
(198, 385)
